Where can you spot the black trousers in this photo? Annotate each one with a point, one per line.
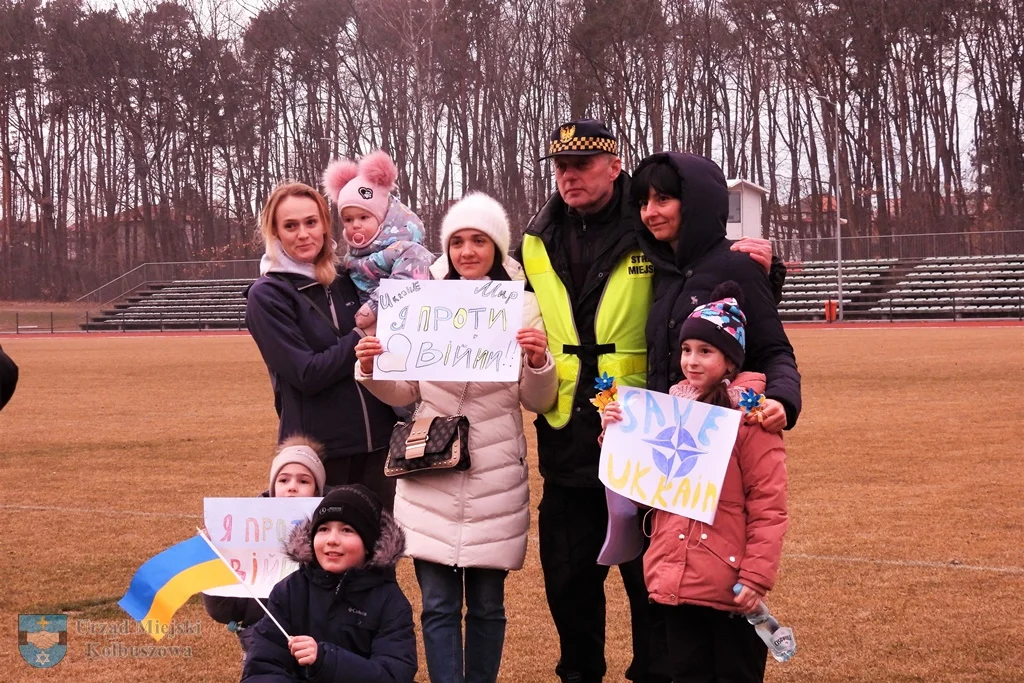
(572, 524)
(366, 469)
(706, 645)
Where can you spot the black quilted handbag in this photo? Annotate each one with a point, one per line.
(429, 444)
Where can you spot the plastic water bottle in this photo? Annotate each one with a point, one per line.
(778, 638)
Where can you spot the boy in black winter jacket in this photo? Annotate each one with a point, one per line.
(347, 617)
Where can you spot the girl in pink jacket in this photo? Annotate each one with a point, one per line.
(691, 567)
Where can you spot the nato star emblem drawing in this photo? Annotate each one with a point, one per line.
(671, 444)
(42, 639)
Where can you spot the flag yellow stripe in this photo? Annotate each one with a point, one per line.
(179, 589)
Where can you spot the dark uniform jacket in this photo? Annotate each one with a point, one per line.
(684, 279)
(569, 456)
(361, 620)
(311, 367)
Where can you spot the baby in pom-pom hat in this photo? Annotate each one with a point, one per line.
(384, 236)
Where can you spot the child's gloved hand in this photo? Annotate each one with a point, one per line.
(365, 318)
(303, 648)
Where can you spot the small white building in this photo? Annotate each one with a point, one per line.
(746, 201)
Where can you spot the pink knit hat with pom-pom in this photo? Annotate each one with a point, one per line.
(367, 185)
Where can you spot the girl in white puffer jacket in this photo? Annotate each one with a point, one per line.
(466, 530)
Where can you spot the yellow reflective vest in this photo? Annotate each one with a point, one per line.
(619, 324)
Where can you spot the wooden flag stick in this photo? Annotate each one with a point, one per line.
(244, 584)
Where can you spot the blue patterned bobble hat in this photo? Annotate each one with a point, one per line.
(720, 323)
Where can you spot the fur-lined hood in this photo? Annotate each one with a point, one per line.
(390, 545)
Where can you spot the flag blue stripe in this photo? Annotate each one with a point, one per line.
(156, 572)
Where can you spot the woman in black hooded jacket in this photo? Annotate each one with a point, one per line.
(684, 205)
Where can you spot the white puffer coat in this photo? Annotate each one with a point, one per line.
(479, 517)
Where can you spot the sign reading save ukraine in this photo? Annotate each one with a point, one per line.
(669, 453)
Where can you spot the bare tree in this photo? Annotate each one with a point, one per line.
(158, 133)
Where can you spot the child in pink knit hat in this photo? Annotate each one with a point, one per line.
(384, 237)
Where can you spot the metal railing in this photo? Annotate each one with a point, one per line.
(995, 243)
(127, 321)
(83, 321)
(139, 276)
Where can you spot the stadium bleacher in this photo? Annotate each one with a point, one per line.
(177, 305)
(809, 284)
(958, 287)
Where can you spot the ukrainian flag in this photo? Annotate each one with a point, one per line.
(164, 583)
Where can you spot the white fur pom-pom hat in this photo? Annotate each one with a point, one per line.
(367, 185)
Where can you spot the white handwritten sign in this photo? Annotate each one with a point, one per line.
(249, 533)
(449, 330)
(669, 453)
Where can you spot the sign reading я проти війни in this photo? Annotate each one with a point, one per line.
(449, 330)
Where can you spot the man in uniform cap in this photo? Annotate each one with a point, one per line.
(594, 287)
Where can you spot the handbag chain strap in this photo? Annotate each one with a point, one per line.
(458, 411)
(419, 433)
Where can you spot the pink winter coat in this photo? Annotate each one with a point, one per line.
(479, 517)
(695, 563)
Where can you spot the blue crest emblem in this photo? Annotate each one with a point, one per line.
(42, 639)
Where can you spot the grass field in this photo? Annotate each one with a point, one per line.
(904, 559)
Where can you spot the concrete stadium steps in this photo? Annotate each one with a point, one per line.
(1013, 258)
(935, 287)
(958, 287)
(176, 297)
(810, 284)
(917, 311)
(178, 304)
